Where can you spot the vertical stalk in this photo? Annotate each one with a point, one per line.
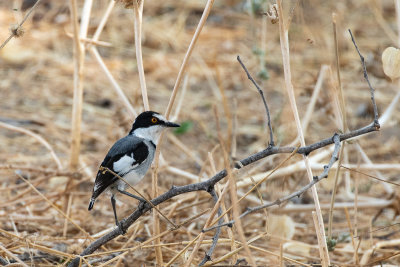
(137, 12)
(284, 40)
(344, 126)
(79, 54)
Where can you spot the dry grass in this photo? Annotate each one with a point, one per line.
(44, 225)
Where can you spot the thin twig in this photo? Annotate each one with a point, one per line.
(15, 30)
(372, 90)
(271, 135)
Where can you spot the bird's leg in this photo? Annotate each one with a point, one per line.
(141, 200)
(115, 215)
(131, 195)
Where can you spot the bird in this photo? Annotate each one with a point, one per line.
(130, 157)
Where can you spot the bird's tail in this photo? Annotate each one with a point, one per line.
(92, 200)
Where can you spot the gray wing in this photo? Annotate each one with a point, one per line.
(131, 146)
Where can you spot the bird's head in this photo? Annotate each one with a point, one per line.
(149, 125)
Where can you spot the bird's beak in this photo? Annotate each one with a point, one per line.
(171, 124)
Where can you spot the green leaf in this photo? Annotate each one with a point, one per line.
(185, 127)
(331, 243)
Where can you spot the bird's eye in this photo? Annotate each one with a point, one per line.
(154, 120)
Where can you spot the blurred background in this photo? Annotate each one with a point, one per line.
(36, 85)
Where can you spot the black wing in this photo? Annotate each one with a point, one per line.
(129, 145)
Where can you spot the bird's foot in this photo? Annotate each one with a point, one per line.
(122, 231)
(141, 204)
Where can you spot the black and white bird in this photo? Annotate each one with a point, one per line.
(130, 157)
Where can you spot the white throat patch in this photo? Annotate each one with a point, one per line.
(151, 133)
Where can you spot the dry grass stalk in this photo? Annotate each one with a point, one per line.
(103, 66)
(203, 19)
(319, 227)
(344, 126)
(68, 215)
(113, 82)
(79, 57)
(138, 12)
(356, 260)
(233, 193)
(202, 22)
(314, 97)
(89, 41)
(103, 21)
(227, 112)
(156, 218)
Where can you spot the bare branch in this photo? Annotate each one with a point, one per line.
(271, 135)
(376, 121)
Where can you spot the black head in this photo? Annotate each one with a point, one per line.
(151, 118)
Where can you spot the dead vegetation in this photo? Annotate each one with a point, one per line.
(44, 193)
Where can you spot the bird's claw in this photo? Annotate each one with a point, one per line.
(122, 231)
(141, 205)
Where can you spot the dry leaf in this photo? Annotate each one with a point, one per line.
(391, 62)
(281, 225)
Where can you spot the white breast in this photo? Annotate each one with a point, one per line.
(124, 164)
(133, 174)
